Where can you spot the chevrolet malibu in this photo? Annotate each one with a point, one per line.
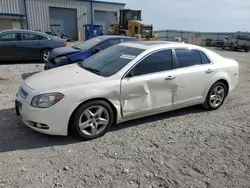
(124, 82)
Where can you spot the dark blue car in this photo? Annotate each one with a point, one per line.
(81, 51)
(18, 44)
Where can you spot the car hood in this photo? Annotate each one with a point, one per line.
(61, 77)
(62, 51)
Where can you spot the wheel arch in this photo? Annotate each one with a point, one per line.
(224, 81)
(48, 48)
(94, 99)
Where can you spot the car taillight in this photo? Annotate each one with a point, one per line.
(64, 43)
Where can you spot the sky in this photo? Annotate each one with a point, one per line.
(195, 15)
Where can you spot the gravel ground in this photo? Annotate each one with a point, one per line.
(185, 148)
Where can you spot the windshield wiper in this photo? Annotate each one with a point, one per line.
(76, 47)
(92, 70)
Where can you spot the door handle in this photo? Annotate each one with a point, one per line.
(209, 71)
(170, 78)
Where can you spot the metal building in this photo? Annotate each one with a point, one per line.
(66, 16)
(194, 37)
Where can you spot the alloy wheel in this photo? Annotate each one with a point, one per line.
(46, 56)
(94, 120)
(217, 96)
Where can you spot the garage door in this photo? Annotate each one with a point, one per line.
(105, 19)
(64, 20)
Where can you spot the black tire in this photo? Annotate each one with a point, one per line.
(232, 48)
(74, 125)
(207, 103)
(246, 50)
(42, 57)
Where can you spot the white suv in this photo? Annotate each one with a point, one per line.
(237, 42)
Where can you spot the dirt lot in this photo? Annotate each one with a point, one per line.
(185, 148)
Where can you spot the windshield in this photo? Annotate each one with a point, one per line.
(133, 15)
(87, 44)
(111, 60)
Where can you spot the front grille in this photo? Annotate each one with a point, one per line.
(146, 32)
(22, 93)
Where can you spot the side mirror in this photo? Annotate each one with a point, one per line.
(96, 50)
(131, 73)
(226, 38)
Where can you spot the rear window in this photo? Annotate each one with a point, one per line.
(88, 44)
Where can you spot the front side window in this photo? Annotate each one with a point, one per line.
(187, 58)
(10, 37)
(111, 60)
(156, 62)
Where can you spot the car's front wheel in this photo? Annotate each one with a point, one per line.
(45, 55)
(92, 119)
(216, 96)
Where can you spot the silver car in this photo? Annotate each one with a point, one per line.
(124, 82)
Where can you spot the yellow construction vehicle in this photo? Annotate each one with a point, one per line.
(130, 24)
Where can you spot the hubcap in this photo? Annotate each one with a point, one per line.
(46, 56)
(217, 96)
(94, 120)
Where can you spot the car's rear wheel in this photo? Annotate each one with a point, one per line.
(92, 119)
(45, 55)
(216, 96)
(246, 50)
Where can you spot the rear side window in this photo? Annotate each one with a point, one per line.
(187, 58)
(156, 62)
(28, 36)
(204, 58)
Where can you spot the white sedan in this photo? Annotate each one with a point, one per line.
(124, 82)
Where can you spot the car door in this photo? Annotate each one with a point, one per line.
(9, 49)
(31, 46)
(192, 77)
(146, 87)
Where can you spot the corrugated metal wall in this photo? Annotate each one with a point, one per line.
(38, 12)
(169, 35)
(39, 17)
(12, 6)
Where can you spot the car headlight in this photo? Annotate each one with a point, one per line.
(58, 59)
(46, 100)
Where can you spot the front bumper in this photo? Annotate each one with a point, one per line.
(52, 121)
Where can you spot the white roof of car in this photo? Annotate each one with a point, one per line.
(155, 45)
